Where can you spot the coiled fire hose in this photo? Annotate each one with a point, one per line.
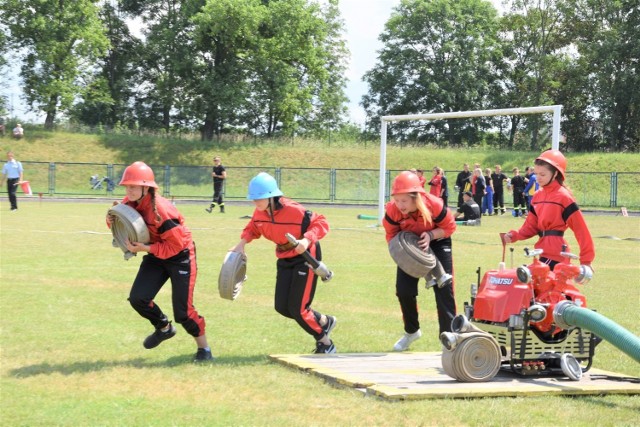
(566, 315)
(127, 225)
(416, 262)
(475, 359)
(232, 275)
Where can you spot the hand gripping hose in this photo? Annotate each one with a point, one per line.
(232, 275)
(127, 225)
(414, 261)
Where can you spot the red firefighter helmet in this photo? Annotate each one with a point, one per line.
(138, 173)
(406, 182)
(556, 159)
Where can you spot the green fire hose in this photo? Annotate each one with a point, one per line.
(567, 314)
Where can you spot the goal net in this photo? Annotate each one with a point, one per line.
(385, 120)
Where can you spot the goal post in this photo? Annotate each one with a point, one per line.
(385, 120)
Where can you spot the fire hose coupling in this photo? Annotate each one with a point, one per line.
(586, 274)
(318, 267)
(558, 312)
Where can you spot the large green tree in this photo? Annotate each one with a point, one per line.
(3, 70)
(606, 35)
(535, 37)
(61, 41)
(108, 99)
(438, 56)
(270, 66)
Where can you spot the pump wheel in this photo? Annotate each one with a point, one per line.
(475, 359)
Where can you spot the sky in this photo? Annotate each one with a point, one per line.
(363, 21)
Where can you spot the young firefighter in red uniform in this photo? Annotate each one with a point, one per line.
(412, 209)
(273, 217)
(170, 255)
(553, 210)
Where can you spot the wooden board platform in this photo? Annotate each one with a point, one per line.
(409, 376)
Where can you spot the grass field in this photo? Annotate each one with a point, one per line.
(71, 345)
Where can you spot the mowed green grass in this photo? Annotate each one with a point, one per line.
(71, 346)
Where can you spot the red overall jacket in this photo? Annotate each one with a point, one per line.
(288, 219)
(169, 236)
(554, 208)
(395, 221)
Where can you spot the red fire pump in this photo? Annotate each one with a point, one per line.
(511, 323)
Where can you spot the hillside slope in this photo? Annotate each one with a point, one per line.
(124, 149)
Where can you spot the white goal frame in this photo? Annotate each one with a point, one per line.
(555, 135)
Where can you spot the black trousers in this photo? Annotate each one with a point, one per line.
(498, 200)
(152, 275)
(295, 289)
(407, 292)
(519, 202)
(217, 192)
(12, 188)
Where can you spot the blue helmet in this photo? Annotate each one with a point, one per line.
(263, 186)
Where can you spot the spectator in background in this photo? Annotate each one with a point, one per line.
(517, 186)
(219, 174)
(423, 180)
(470, 209)
(497, 179)
(487, 200)
(478, 186)
(18, 132)
(463, 183)
(12, 172)
(435, 184)
(531, 187)
(445, 189)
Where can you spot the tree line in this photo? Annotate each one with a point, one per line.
(278, 68)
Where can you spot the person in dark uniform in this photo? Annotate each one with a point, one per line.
(219, 174)
(463, 183)
(469, 209)
(517, 184)
(498, 178)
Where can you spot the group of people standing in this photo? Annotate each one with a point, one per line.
(171, 251)
(486, 189)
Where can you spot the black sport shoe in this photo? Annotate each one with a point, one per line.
(331, 323)
(158, 336)
(203, 355)
(324, 349)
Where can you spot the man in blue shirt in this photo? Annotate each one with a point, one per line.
(12, 172)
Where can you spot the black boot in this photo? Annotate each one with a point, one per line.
(222, 208)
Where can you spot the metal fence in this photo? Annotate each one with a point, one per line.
(327, 185)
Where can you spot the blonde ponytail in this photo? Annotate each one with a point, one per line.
(426, 215)
(152, 191)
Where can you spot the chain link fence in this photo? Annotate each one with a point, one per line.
(326, 185)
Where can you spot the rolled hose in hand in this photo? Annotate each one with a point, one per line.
(566, 314)
(127, 225)
(407, 254)
(232, 275)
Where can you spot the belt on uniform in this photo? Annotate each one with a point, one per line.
(286, 247)
(550, 233)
